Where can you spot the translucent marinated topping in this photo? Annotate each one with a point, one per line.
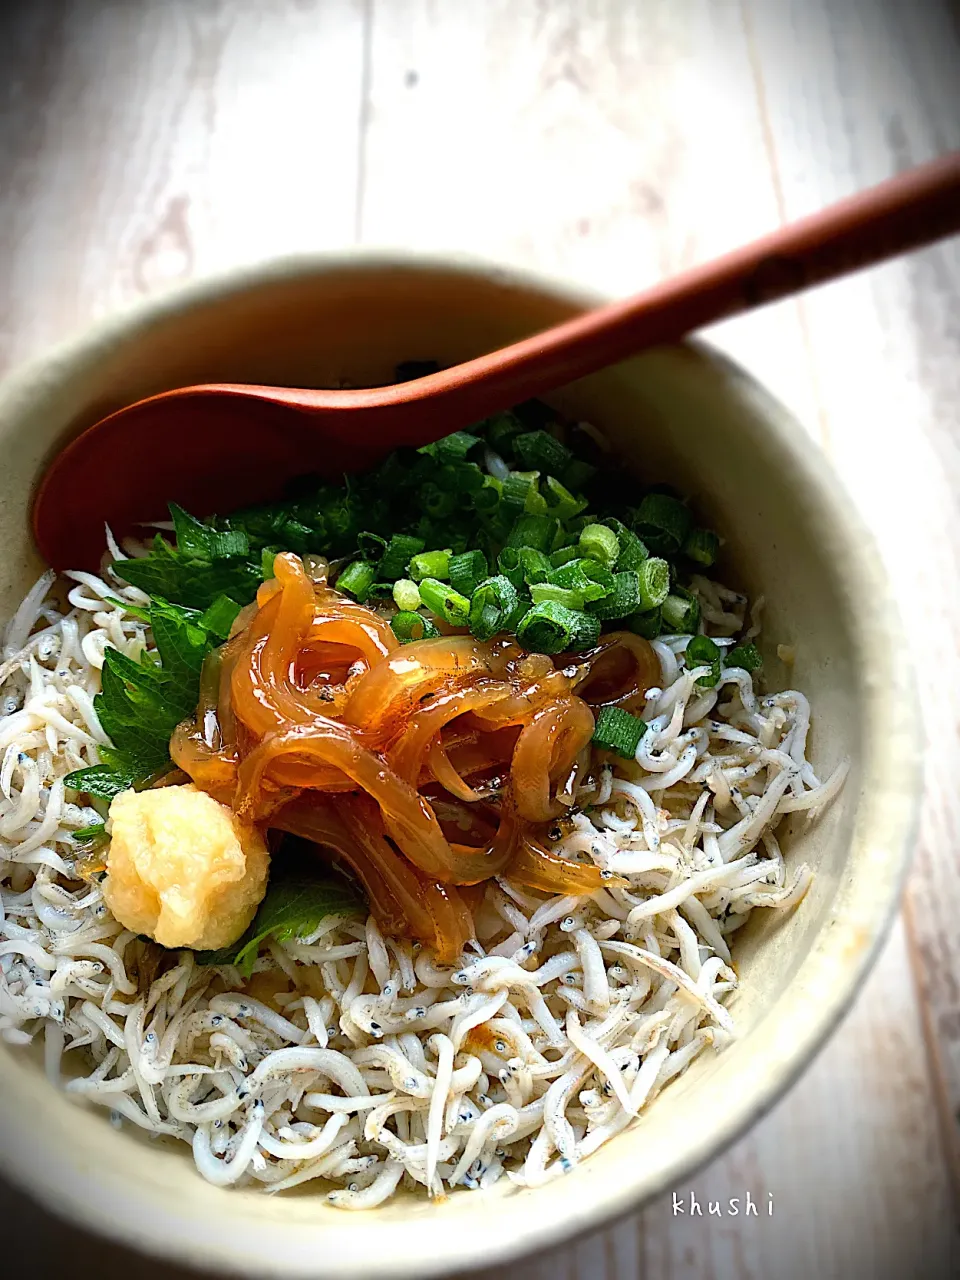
(317, 722)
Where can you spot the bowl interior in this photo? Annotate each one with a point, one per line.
(677, 414)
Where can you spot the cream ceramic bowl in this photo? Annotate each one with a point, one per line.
(682, 414)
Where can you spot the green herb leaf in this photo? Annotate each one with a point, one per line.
(182, 643)
(101, 780)
(295, 904)
(141, 703)
(133, 610)
(201, 541)
(220, 617)
(189, 580)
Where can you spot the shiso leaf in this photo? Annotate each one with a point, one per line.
(294, 905)
(140, 703)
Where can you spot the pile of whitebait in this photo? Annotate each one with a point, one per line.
(354, 1058)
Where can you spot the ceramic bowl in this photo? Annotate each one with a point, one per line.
(680, 413)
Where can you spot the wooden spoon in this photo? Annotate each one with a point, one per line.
(220, 446)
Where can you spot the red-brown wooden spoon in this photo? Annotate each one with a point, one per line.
(218, 447)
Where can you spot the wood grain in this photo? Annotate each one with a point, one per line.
(144, 143)
(606, 142)
(886, 356)
(147, 143)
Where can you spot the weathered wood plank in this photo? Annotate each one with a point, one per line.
(856, 92)
(147, 143)
(604, 142)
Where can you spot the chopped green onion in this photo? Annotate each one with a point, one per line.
(532, 531)
(578, 474)
(446, 603)
(487, 499)
(648, 624)
(357, 579)
(654, 579)
(535, 414)
(702, 546)
(619, 731)
(491, 606)
(519, 611)
(465, 477)
(412, 626)
(437, 502)
(536, 566)
(298, 536)
(632, 551)
(681, 612)
(220, 616)
(550, 627)
(451, 448)
(623, 600)
(541, 591)
(662, 523)
(406, 595)
(591, 580)
(401, 549)
(564, 554)
(509, 564)
(517, 490)
(267, 557)
(430, 564)
(371, 545)
(540, 451)
(502, 429)
(467, 570)
(746, 656)
(599, 543)
(702, 652)
(561, 502)
(535, 503)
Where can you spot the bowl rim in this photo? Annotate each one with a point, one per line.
(851, 944)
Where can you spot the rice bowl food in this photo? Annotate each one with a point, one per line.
(396, 835)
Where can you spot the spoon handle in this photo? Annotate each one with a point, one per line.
(901, 214)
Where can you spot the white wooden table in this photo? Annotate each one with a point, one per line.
(612, 141)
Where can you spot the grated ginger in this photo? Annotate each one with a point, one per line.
(182, 869)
